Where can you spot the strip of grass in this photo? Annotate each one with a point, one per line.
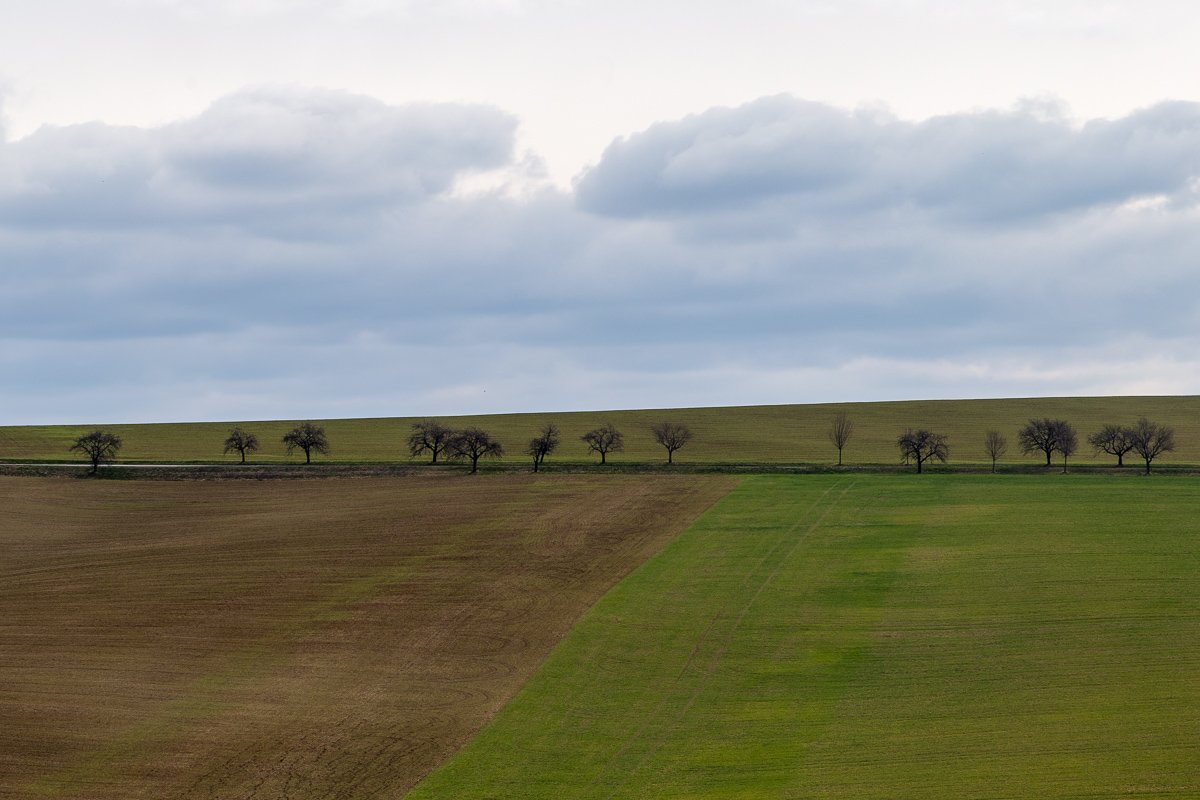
(824, 636)
(782, 434)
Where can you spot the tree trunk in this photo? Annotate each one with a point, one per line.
(307, 456)
(243, 456)
(670, 456)
(993, 466)
(535, 463)
(1120, 459)
(839, 456)
(920, 461)
(1048, 452)
(1147, 466)
(474, 464)
(602, 457)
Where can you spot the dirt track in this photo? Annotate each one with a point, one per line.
(292, 639)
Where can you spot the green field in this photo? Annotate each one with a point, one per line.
(786, 434)
(872, 636)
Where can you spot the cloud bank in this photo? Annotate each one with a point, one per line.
(302, 253)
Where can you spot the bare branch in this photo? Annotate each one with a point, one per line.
(307, 437)
(995, 445)
(429, 435)
(840, 430)
(542, 445)
(922, 445)
(240, 441)
(99, 446)
(671, 435)
(1112, 439)
(474, 444)
(1043, 435)
(1150, 440)
(604, 440)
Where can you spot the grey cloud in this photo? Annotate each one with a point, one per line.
(281, 160)
(211, 261)
(272, 143)
(979, 167)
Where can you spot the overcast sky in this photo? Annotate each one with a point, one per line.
(242, 209)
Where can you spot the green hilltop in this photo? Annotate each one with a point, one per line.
(770, 435)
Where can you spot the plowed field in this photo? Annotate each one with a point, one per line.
(307, 639)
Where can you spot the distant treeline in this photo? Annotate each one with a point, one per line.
(430, 437)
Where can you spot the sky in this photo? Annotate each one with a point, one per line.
(291, 209)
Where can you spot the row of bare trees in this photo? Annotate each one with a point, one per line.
(100, 446)
(438, 440)
(472, 443)
(306, 437)
(1048, 436)
(428, 436)
(1147, 439)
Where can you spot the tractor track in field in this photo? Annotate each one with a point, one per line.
(720, 637)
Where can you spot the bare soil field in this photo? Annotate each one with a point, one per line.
(292, 639)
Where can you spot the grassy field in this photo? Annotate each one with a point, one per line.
(870, 636)
(291, 639)
(788, 434)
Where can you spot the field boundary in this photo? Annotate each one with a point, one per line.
(219, 471)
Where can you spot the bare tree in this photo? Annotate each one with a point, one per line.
(1151, 440)
(1066, 442)
(671, 435)
(1114, 440)
(542, 445)
(604, 440)
(98, 446)
(840, 430)
(922, 445)
(995, 445)
(429, 435)
(474, 444)
(1042, 434)
(240, 441)
(306, 437)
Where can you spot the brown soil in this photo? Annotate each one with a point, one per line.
(292, 639)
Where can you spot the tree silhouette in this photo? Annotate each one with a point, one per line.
(1042, 434)
(306, 437)
(1114, 440)
(840, 430)
(429, 435)
(1066, 442)
(98, 446)
(922, 445)
(604, 440)
(1151, 440)
(671, 435)
(995, 445)
(240, 441)
(474, 444)
(542, 445)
